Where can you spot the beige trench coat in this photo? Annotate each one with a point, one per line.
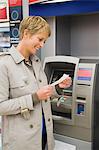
(17, 83)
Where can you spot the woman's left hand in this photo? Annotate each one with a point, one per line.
(66, 83)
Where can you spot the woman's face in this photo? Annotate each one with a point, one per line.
(33, 43)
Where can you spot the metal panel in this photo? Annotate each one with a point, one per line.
(80, 144)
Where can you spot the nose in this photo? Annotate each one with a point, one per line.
(41, 44)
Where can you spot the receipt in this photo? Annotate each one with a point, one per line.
(64, 77)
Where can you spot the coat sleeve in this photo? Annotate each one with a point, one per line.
(11, 106)
(55, 93)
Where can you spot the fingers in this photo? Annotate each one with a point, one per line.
(68, 81)
(45, 92)
(49, 89)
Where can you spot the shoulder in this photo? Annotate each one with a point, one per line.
(5, 58)
(4, 55)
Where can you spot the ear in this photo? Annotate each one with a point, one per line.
(26, 33)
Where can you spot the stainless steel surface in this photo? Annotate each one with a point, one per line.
(80, 144)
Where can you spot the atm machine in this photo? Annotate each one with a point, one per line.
(75, 110)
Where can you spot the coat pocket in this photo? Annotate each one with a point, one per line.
(19, 88)
(19, 81)
(18, 84)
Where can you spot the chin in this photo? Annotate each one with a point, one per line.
(33, 53)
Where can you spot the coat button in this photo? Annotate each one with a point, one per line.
(26, 82)
(48, 119)
(45, 100)
(40, 80)
(37, 60)
(31, 126)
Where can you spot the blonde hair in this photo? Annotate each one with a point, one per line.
(34, 24)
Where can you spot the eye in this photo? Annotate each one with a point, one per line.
(40, 39)
(44, 42)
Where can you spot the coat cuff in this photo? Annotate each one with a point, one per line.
(55, 93)
(26, 102)
(58, 90)
(35, 99)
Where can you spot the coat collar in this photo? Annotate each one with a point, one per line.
(19, 58)
(16, 55)
(34, 58)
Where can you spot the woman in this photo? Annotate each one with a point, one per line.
(24, 93)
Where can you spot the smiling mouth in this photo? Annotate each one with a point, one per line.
(37, 49)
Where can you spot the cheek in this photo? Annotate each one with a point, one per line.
(30, 43)
(35, 41)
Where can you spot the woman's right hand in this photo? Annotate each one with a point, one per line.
(45, 92)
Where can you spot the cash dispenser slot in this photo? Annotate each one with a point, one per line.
(82, 84)
(81, 98)
(62, 106)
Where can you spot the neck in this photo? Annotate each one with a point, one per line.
(22, 49)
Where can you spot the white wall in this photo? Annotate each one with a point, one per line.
(85, 35)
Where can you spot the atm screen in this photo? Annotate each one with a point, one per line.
(84, 74)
